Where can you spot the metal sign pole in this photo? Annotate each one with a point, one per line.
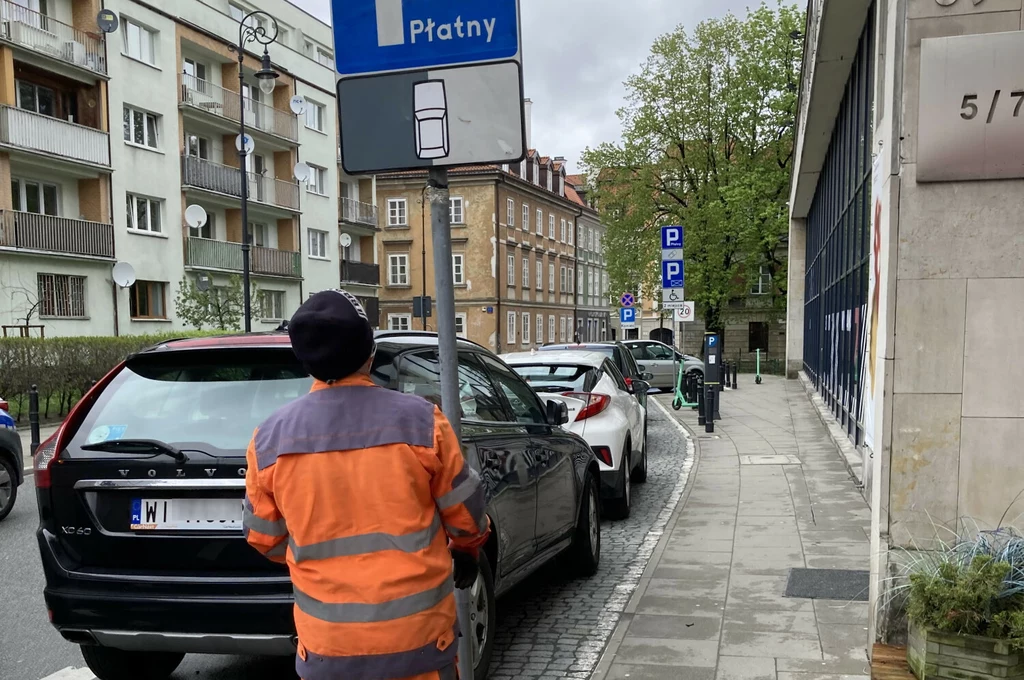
(448, 357)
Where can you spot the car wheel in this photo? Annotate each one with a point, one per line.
(482, 619)
(619, 507)
(116, 664)
(639, 474)
(8, 487)
(585, 551)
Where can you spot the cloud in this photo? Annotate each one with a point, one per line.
(577, 55)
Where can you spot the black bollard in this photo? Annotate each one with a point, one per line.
(701, 404)
(725, 374)
(33, 419)
(711, 403)
(736, 376)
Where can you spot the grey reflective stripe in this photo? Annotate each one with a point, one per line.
(407, 664)
(250, 521)
(359, 612)
(465, 484)
(279, 550)
(368, 543)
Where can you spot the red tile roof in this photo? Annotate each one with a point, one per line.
(575, 180)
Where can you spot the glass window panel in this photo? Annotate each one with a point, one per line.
(151, 131)
(50, 200)
(32, 198)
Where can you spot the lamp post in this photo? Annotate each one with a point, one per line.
(251, 29)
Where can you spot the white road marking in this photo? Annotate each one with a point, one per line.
(70, 673)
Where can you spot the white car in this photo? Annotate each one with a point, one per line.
(602, 410)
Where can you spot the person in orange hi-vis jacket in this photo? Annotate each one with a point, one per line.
(364, 493)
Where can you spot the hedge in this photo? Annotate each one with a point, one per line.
(62, 368)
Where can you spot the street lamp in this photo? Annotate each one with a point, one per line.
(251, 29)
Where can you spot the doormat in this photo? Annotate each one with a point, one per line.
(829, 584)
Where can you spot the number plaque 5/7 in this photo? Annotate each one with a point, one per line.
(969, 110)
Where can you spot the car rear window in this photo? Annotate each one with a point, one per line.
(558, 378)
(213, 399)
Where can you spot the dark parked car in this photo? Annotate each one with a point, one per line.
(12, 472)
(636, 376)
(140, 497)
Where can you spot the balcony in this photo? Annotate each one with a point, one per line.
(223, 179)
(49, 37)
(204, 253)
(355, 212)
(35, 132)
(360, 272)
(61, 235)
(203, 95)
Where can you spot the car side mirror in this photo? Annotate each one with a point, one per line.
(558, 413)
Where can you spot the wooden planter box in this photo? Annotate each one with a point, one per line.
(961, 657)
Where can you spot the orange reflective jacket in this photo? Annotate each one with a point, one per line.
(359, 490)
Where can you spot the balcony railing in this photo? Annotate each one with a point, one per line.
(224, 179)
(356, 212)
(46, 35)
(36, 132)
(47, 233)
(360, 272)
(204, 95)
(205, 253)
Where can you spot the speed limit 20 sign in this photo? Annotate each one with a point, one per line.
(686, 313)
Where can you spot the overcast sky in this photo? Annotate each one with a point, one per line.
(577, 54)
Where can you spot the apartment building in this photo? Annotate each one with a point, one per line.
(513, 252)
(593, 302)
(108, 138)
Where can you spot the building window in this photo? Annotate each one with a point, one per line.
(551, 227)
(540, 223)
(272, 304)
(540, 274)
(511, 331)
(139, 41)
(456, 209)
(580, 238)
(318, 244)
(141, 128)
(397, 212)
(35, 197)
(551, 278)
(561, 329)
(398, 270)
(198, 147)
(540, 329)
(61, 296)
(36, 98)
(579, 282)
(551, 329)
(318, 180)
(459, 269)
(399, 322)
(143, 213)
(561, 232)
(758, 332)
(571, 279)
(561, 185)
(324, 57)
(549, 173)
(511, 213)
(208, 230)
(460, 325)
(511, 270)
(569, 231)
(526, 328)
(763, 285)
(526, 218)
(315, 113)
(146, 300)
(563, 287)
(526, 273)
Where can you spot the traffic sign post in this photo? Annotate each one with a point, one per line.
(627, 317)
(425, 85)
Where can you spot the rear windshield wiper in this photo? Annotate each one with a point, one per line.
(137, 446)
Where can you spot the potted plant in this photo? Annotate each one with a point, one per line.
(965, 604)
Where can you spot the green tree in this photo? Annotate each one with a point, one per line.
(707, 142)
(218, 308)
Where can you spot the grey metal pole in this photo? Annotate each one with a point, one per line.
(242, 157)
(33, 419)
(447, 345)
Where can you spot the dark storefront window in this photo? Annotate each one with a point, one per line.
(838, 229)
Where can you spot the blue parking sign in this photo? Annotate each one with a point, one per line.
(627, 315)
(672, 274)
(671, 238)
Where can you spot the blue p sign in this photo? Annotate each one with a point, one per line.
(672, 275)
(671, 238)
(627, 315)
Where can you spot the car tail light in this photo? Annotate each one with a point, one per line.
(604, 454)
(596, 403)
(48, 452)
(4, 406)
(629, 382)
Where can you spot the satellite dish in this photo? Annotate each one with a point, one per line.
(346, 240)
(124, 274)
(107, 21)
(203, 282)
(248, 142)
(301, 171)
(298, 104)
(195, 216)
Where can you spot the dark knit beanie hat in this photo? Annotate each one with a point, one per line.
(331, 335)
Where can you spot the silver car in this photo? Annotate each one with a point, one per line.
(660, 360)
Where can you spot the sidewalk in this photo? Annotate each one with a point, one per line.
(771, 492)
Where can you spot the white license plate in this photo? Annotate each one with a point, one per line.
(186, 514)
